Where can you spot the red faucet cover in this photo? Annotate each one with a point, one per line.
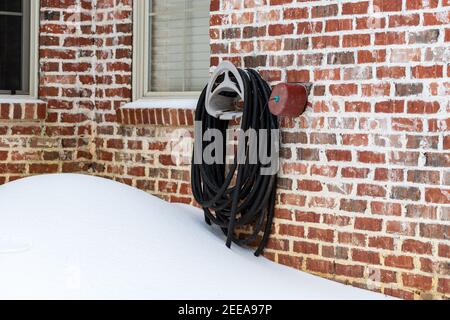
(288, 99)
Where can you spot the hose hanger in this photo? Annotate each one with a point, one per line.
(236, 196)
(224, 91)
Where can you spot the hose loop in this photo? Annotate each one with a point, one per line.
(238, 195)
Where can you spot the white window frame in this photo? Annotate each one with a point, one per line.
(141, 68)
(34, 56)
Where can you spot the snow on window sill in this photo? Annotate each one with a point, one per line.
(19, 99)
(163, 103)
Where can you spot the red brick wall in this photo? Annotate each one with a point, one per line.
(364, 191)
(364, 188)
(54, 136)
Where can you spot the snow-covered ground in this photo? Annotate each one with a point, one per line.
(81, 237)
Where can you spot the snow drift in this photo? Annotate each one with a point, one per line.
(81, 237)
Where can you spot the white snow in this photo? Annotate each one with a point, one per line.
(173, 103)
(19, 99)
(82, 237)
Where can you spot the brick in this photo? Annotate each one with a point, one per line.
(356, 239)
(351, 271)
(368, 224)
(327, 74)
(423, 107)
(291, 230)
(290, 261)
(364, 256)
(43, 168)
(371, 190)
(437, 160)
(387, 209)
(444, 251)
(421, 211)
(391, 72)
(280, 29)
(321, 42)
(436, 195)
(401, 228)
(387, 276)
(383, 174)
(343, 90)
(433, 19)
(356, 40)
(357, 107)
(359, 173)
(435, 231)
(276, 244)
(322, 202)
(370, 23)
(390, 38)
(355, 8)
(309, 27)
(387, 6)
(421, 72)
(407, 124)
(308, 154)
(399, 293)
(310, 59)
(321, 234)
(323, 138)
(309, 185)
(405, 193)
(425, 177)
(320, 266)
(358, 73)
(341, 58)
(307, 217)
(339, 155)
(427, 36)
(371, 56)
(417, 281)
(443, 285)
(296, 44)
(381, 243)
(404, 20)
(399, 55)
(402, 262)
(404, 158)
(390, 106)
(421, 4)
(353, 205)
(298, 76)
(306, 247)
(324, 11)
(418, 247)
(338, 25)
(371, 157)
(295, 13)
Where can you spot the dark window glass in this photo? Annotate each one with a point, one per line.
(11, 5)
(10, 53)
(14, 46)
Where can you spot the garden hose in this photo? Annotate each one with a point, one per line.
(238, 196)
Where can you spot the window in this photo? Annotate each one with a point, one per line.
(172, 52)
(18, 56)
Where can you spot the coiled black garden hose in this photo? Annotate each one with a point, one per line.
(240, 195)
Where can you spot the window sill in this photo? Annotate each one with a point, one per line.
(158, 112)
(22, 109)
(163, 103)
